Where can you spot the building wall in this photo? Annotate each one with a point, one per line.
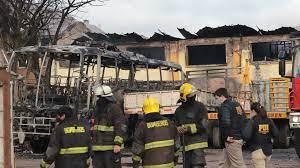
(176, 51)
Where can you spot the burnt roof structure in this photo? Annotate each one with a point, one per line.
(282, 30)
(227, 31)
(162, 37)
(233, 31)
(186, 34)
(206, 32)
(108, 57)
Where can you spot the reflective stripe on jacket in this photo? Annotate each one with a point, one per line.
(193, 116)
(155, 142)
(69, 141)
(109, 129)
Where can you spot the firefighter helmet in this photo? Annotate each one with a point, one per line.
(187, 90)
(151, 105)
(105, 92)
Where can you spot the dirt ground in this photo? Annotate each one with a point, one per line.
(281, 158)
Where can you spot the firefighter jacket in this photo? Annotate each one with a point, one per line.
(154, 142)
(193, 115)
(231, 119)
(259, 133)
(70, 145)
(109, 128)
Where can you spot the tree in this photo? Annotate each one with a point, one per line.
(23, 22)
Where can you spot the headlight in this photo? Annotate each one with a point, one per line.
(295, 119)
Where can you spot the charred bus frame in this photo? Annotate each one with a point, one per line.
(35, 104)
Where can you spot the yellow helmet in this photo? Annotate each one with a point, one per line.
(187, 90)
(151, 105)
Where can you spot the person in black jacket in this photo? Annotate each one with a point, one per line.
(259, 133)
(70, 142)
(231, 119)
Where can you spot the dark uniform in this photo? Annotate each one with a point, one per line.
(231, 120)
(70, 145)
(154, 142)
(109, 130)
(259, 133)
(193, 115)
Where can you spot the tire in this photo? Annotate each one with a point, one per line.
(216, 137)
(283, 140)
(297, 141)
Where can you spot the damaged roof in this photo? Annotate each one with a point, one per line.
(233, 31)
(161, 36)
(206, 32)
(125, 58)
(186, 34)
(227, 31)
(133, 37)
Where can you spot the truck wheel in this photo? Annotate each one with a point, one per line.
(297, 141)
(283, 140)
(216, 137)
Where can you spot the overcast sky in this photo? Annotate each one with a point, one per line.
(147, 16)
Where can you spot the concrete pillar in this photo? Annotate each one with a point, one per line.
(6, 159)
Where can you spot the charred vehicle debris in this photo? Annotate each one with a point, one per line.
(39, 89)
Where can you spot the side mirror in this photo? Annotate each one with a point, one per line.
(282, 67)
(281, 57)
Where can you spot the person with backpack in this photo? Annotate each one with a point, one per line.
(231, 121)
(259, 133)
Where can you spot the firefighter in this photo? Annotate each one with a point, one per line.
(231, 121)
(109, 129)
(154, 139)
(70, 143)
(259, 133)
(191, 120)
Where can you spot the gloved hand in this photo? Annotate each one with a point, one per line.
(181, 130)
(43, 164)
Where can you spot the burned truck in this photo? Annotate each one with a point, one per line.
(48, 77)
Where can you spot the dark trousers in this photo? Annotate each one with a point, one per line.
(106, 159)
(195, 159)
(71, 161)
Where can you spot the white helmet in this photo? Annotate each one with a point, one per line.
(102, 90)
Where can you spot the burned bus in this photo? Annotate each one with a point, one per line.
(44, 78)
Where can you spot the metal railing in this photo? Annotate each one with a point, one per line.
(33, 125)
(213, 72)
